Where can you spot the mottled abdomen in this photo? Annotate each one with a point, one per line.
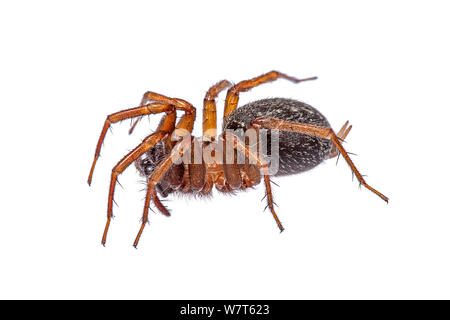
(298, 152)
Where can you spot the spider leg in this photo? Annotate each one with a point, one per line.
(132, 156)
(151, 108)
(177, 152)
(133, 126)
(151, 96)
(144, 101)
(165, 127)
(184, 127)
(232, 98)
(321, 132)
(240, 146)
(342, 134)
(186, 123)
(209, 110)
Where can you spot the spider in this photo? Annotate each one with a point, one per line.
(305, 140)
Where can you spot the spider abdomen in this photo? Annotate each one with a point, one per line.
(297, 152)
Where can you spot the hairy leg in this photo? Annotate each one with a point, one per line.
(277, 124)
(151, 108)
(164, 129)
(159, 205)
(253, 156)
(209, 110)
(132, 156)
(177, 152)
(232, 98)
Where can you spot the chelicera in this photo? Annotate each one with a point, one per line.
(305, 139)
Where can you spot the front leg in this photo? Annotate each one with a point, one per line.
(177, 152)
(147, 109)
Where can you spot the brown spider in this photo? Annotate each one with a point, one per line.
(305, 139)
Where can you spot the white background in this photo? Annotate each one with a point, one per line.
(382, 65)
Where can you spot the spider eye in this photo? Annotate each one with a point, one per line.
(148, 166)
(152, 159)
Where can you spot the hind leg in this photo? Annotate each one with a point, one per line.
(326, 133)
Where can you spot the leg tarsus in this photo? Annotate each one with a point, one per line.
(360, 178)
(105, 232)
(148, 197)
(177, 152)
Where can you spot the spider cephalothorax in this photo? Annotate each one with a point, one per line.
(173, 161)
